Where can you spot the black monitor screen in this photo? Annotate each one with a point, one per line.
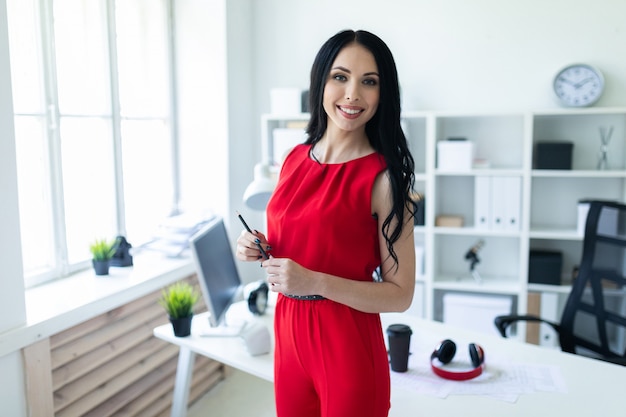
(215, 266)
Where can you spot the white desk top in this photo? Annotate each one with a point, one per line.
(228, 350)
(593, 387)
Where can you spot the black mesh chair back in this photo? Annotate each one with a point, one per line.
(593, 322)
(594, 317)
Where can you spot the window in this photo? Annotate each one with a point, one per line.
(92, 95)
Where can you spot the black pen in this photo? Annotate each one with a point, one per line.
(265, 255)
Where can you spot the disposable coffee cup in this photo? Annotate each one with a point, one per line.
(399, 336)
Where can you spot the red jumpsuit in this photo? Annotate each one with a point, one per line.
(330, 359)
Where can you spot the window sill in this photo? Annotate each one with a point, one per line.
(57, 306)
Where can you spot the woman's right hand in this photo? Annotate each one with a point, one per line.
(247, 248)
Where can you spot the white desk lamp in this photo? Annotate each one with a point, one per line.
(260, 190)
(275, 143)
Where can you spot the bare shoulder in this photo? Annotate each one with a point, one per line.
(381, 195)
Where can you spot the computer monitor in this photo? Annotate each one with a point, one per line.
(217, 274)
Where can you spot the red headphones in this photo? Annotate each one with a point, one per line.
(445, 352)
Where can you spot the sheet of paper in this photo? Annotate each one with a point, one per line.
(504, 380)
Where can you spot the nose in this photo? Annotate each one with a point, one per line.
(352, 91)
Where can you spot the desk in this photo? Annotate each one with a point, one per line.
(593, 387)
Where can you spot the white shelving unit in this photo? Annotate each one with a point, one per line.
(548, 198)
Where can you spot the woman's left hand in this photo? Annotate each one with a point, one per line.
(288, 277)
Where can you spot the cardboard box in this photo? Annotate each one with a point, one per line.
(449, 221)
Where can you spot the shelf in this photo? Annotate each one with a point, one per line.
(548, 200)
(489, 284)
(419, 229)
(473, 231)
(543, 288)
(577, 173)
(483, 171)
(554, 233)
(286, 117)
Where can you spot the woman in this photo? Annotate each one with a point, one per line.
(340, 212)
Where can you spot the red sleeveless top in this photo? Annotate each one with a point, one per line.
(320, 215)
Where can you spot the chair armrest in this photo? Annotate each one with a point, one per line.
(503, 322)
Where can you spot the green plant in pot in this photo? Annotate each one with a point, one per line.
(178, 300)
(102, 251)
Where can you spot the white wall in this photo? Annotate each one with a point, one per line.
(12, 310)
(215, 55)
(243, 123)
(452, 54)
(200, 43)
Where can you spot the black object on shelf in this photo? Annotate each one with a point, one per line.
(122, 256)
(553, 155)
(544, 267)
(418, 220)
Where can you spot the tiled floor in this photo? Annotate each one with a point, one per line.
(240, 395)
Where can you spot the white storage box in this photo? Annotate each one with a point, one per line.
(583, 210)
(475, 312)
(608, 222)
(286, 101)
(455, 155)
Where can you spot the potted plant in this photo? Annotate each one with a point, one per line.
(102, 251)
(178, 300)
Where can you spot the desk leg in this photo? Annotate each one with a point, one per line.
(183, 380)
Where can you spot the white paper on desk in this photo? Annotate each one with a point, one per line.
(504, 381)
(419, 378)
(544, 378)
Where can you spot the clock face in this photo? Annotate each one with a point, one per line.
(578, 85)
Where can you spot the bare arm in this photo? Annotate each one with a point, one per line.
(394, 293)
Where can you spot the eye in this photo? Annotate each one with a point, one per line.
(339, 77)
(370, 82)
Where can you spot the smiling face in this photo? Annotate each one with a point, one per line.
(352, 89)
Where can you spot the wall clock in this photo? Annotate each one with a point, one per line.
(578, 85)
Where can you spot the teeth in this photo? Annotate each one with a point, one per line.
(350, 111)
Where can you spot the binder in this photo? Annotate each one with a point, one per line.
(497, 202)
(499, 195)
(482, 202)
(513, 203)
(505, 203)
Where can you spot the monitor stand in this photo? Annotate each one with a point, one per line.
(229, 328)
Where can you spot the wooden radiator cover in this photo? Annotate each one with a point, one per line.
(112, 365)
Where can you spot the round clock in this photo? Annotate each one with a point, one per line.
(257, 297)
(578, 85)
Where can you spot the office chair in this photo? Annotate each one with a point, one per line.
(593, 322)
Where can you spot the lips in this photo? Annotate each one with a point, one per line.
(350, 111)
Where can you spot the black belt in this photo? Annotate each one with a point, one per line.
(305, 297)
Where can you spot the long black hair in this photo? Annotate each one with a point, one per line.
(383, 130)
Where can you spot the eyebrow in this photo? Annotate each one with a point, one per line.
(350, 72)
